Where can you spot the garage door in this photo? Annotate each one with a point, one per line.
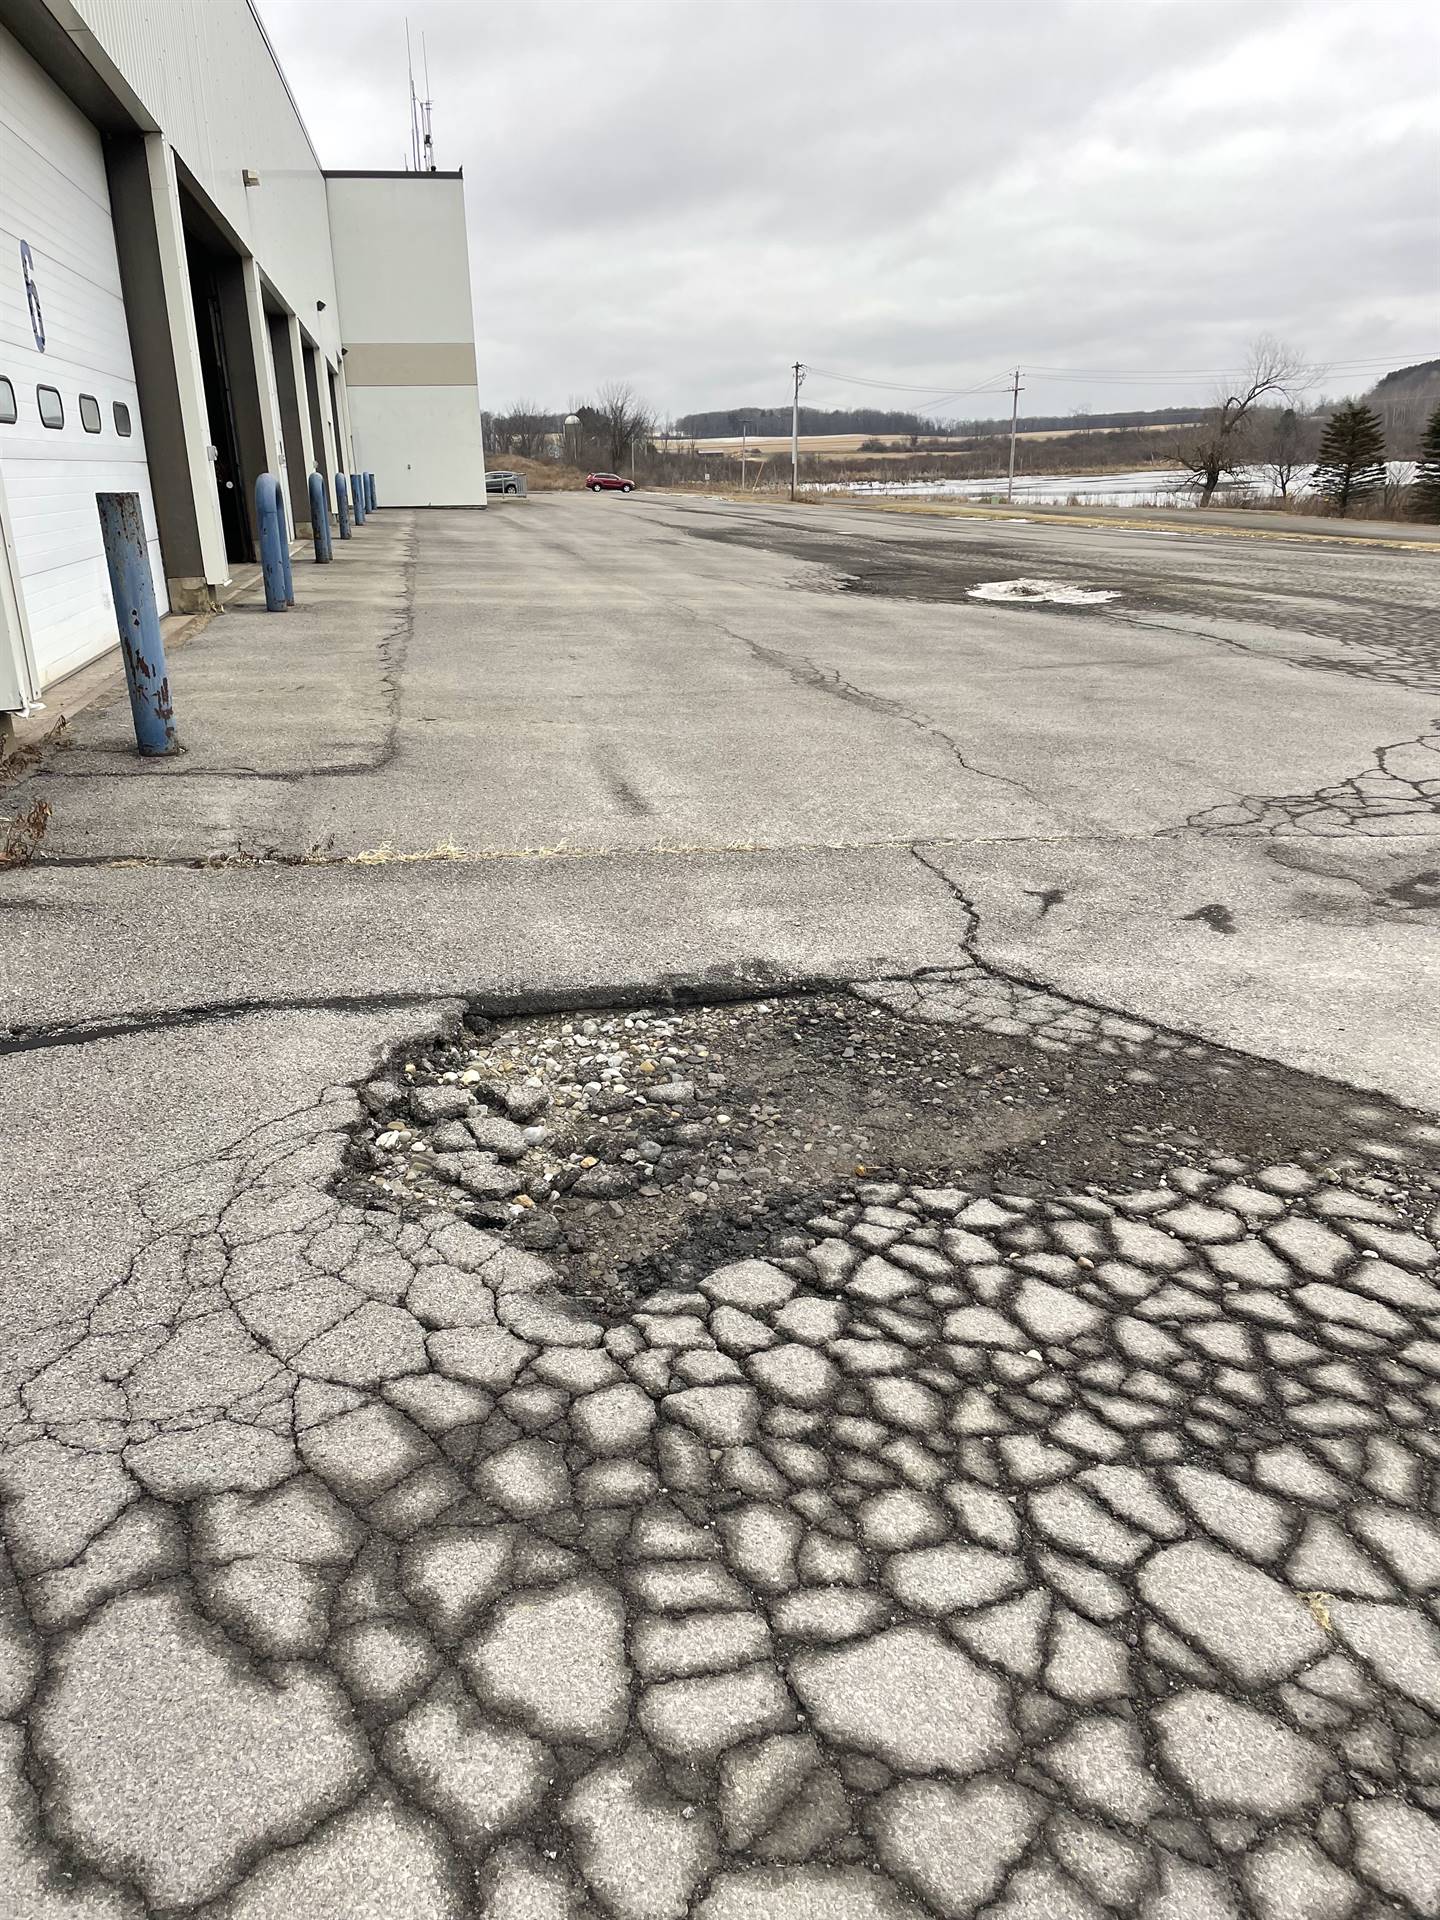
(69, 413)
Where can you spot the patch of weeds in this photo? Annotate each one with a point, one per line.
(22, 834)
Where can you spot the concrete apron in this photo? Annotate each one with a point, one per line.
(100, 680)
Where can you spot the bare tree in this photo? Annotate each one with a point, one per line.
(1283, 439)
(529, 425)
(1217, 446)
(525, 429)
(626, 420)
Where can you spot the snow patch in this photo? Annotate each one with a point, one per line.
(1051, 592)
(1140, 487)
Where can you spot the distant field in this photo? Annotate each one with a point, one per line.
(780, 442)
(835, 445)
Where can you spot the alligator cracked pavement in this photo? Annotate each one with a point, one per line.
(756, 1420)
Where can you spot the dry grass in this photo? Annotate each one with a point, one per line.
(25, 754)
(387, 856)
(541, 476)
(22, 833)
(1319, 1605)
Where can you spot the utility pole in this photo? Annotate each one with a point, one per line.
(1014, 423)
(799, 373)
(744, 449)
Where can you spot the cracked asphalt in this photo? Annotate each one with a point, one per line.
(700, 1231)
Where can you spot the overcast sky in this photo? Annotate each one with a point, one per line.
(690, 194)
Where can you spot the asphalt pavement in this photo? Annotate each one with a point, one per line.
(1043, 1529)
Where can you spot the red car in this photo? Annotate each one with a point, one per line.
(608, 483)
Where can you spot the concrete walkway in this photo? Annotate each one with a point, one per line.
(480, 1440)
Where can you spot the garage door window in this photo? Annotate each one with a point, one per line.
(9, 413)
(89, 413)
(122, 419)
(52, 407)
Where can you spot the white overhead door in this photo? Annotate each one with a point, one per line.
(65, 354)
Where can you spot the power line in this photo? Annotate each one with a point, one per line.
(1201, 373)
(861, 380)
(1309, 373)
(1012, 386)
(936, 393)
(937, 388)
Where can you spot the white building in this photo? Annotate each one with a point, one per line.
(187, 300)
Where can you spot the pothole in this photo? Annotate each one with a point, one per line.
(637, 1149)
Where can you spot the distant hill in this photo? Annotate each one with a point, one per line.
(1404, 380)
(1404, 400)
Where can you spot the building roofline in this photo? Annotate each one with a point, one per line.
(66, 48)
(392, 173)
(285, 82)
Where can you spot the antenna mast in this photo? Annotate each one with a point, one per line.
(414, 163)
(422, 145)
(427, 145)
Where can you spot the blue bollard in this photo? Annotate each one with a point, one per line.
(272, 542)
(342, 506)
(320, 518)
(357, 498)
(285, 546)
(122, 527)
(369, 493)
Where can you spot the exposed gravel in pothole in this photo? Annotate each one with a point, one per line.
(636, 1149)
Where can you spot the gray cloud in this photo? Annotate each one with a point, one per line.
(691, 193)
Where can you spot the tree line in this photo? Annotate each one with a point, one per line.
(604, 433)
(1258, 423)
(616, 418)
(1339, 449)
(1351, 468)
(727, 423)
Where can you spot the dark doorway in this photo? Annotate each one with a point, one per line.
(317, 425)
(341, 446)
(220, 406)
(294, 417)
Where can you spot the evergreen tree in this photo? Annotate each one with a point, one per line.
(1427, 477)
(1352, 455)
